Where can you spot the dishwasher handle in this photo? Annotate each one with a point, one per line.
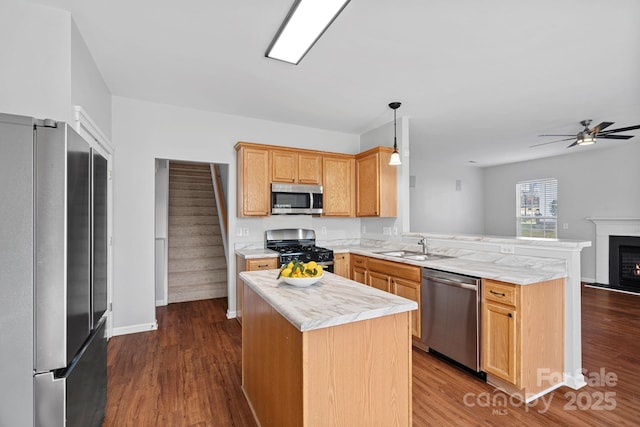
(450, 282)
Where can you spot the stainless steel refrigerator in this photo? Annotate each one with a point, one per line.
(53, 275)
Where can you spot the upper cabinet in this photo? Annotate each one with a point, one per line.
(295, 167)
(361, 185)
(253, 181)
(339, 185)
(376, 184)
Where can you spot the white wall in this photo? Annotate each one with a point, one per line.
(436, 204)
(88, 89)
(144, 131)
(591, 183)
(35, 65)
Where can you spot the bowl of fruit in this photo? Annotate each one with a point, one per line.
(301, 274)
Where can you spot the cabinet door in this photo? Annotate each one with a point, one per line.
(379, 281)
(410, 290)
(283, 166)
(368, 185)
(310, 168)
(338, 191)
(359, 274)
(254, 176)
(341, 265)
(499, 341)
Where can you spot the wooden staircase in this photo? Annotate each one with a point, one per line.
(197, 264)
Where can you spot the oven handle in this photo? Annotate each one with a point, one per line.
(325, 263)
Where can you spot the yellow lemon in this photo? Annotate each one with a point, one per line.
(286, 272)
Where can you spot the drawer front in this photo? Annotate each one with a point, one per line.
(358, 261)
(396, 269)
(262, 264)
(505, 293)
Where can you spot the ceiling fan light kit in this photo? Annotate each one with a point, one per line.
(395, 156)
(590, 136)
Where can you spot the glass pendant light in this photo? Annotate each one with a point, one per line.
(395, 156)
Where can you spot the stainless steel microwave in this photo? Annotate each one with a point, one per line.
(296, 199)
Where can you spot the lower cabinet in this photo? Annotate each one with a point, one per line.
(341, 265)
(410, 290)
(395, 277)
(523, 335)
(251, 264)
(359, 268)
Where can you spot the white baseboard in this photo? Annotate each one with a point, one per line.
(232, 314)
(588, 279)
(144, 327)
(161, 302)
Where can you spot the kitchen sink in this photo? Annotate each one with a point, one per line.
(394, 253)
(415, 256)
(425, 257)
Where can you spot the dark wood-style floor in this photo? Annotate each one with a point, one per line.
(188, 374)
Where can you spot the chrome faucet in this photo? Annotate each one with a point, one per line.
(423, 243)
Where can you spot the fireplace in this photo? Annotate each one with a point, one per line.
(624, 263)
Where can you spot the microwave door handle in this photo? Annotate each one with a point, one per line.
(311, 199)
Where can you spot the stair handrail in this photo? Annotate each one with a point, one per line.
(221, 206)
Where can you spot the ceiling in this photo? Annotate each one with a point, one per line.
(479, 79)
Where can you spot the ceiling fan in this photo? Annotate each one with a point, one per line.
(588, 136)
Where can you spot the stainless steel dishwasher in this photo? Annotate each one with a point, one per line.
(450, 316)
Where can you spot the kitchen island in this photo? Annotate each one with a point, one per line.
(334, 353)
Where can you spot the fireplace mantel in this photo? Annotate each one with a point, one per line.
(606, 227)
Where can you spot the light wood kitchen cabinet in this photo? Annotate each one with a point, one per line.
(400, 279)
(359, 268)
(377, 280)
(253, 180)
(296, 167)
(376, 184)
(523, 335)
(339, 185)
(341, 265)
(410, 290)
(251, 264)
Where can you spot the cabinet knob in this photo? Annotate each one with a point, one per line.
(510, 315)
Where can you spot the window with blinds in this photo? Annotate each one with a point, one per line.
(537, 208)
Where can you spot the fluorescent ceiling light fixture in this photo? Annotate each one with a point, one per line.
(306, 22)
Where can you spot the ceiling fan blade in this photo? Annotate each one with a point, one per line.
(552, 142)
(599, 128)
(615, 136)
(574, 144)
(606, 132)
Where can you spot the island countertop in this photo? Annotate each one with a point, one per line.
(333, 301)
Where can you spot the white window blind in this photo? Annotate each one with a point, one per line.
(537, 208)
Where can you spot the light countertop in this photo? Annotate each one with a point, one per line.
(518, 269)
(333, 301)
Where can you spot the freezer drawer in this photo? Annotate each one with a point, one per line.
(75, 396)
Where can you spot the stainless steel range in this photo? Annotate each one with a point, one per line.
(298, 244)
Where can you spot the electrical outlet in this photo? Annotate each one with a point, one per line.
(395, 231)
(239, 231)
(364, 229)
(565, 225)
(507, 249)
(386, 231)
(323, 230)
(245, 231)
